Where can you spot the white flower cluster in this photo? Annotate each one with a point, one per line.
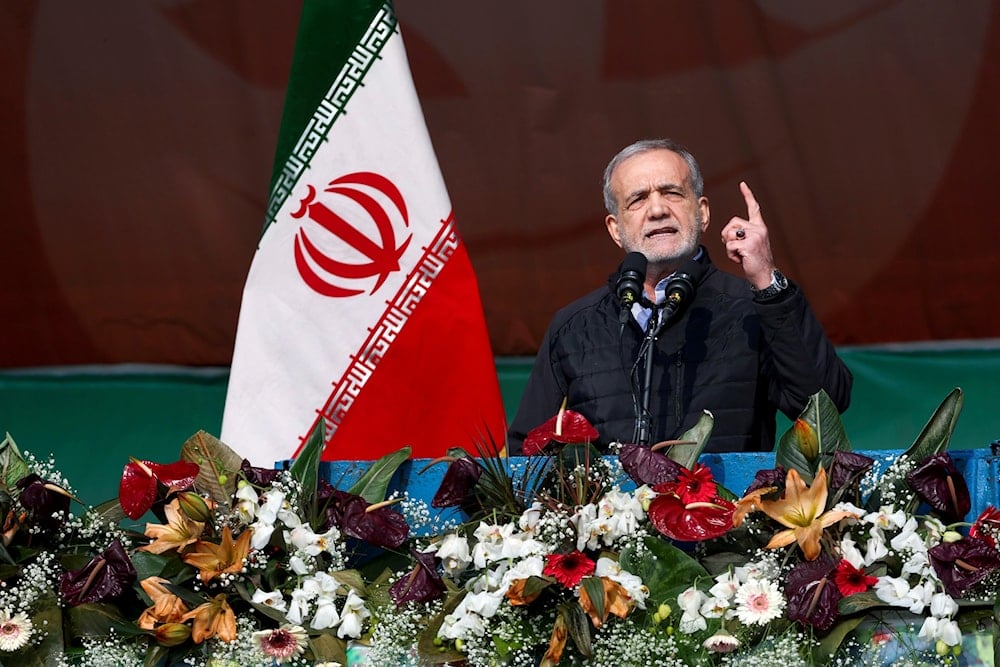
(890, 534)
(319, 598)
(504, 553)
(750, 593)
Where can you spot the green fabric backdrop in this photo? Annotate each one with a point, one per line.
(91, 419)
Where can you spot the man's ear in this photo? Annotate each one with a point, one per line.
(611, 222)
(705, 213)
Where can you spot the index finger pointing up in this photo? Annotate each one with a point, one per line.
(753, 208)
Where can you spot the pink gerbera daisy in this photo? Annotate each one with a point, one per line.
(282, 644)
(14, 631)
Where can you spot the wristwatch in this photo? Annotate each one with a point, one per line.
(778, 283)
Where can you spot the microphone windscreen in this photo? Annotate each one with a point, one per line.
(635, 262)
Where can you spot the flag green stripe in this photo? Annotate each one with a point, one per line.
(330, 32)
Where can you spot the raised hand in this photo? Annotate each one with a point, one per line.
(747, 242)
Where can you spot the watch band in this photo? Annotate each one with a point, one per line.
(778, 284)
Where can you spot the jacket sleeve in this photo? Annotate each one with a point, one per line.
(543, 394)
(799, 360)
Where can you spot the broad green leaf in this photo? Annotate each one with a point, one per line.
(374, 484)
(821, 417)
(859, 602)
(328, 648)
(111, 511)
(305, 468)
(12, 466)
(667, 574)
(595, 591)
(156, 655)
(218, 466)
(687, 455)
(933, 439)
(936, 434)
(351, 578)
(829, 644)
(578, 626)
(97, 620)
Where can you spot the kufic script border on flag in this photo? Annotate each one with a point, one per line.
(383, 333)
(332, 106)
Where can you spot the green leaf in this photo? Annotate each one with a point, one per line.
(823, 419)
(829, 644)
(326, 647)
(97, 620)
(374, 484)
(859, 602)
(12, 466)
(664, 568)
(936, 434)
(933, 439)
(595, 591)
(305, 468)
(578, 626)
(218, 466)
(687, 455)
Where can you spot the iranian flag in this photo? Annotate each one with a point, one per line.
(361, 310)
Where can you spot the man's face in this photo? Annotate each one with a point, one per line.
(658, 213)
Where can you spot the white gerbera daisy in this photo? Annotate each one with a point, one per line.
(14, 631)
(758, 602)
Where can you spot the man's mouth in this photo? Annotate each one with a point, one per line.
(660, 231)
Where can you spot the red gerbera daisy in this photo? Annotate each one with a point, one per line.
(696, 486)
(851, 580)
(569, 569)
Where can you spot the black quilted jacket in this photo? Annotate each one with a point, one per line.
(739, 359)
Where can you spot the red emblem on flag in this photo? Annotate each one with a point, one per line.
(381, 255)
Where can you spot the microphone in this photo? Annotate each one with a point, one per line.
(630, 280)
(680, 287)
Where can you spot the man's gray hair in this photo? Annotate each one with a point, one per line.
(644, 146)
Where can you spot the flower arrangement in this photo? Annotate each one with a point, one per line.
(565, 557)
(245, 566)
(830, 558)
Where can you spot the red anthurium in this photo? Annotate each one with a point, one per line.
(566, 427)
(689, 522)
(987, 525)
(569, 569)
(137, 490)
(963, 564)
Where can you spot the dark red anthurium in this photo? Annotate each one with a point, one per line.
(376, 524)
(458, 482)
(422, 584)
(646, 466)
(938, 481)
(962, 564)
(566, 427)
(105, 577)
(137, 490)
(689, 522)
(48, 502)
(847, 468)
(812, 593)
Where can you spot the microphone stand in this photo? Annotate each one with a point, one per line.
(652, 330)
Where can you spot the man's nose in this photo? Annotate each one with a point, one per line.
(657, 206)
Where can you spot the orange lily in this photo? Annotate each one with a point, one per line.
(616, 601)
(179, 531)
(557, 643)
(215, 618)
(167, 607)
(800, 510)
(214, 559)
